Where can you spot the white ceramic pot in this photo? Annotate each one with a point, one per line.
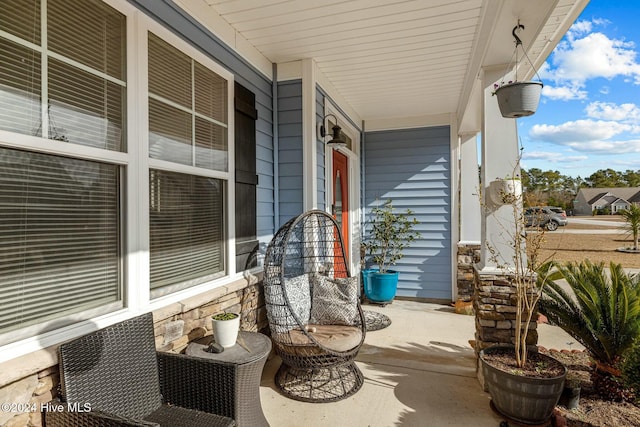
(225, 332)
(512, 187)
(505, 191)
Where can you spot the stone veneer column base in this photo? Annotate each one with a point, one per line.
(495, 312)
(468, 256)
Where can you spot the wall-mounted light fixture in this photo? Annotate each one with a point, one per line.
(336, 140)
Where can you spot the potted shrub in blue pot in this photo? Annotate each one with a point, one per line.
(389, 233)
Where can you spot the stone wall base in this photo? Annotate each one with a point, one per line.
(468, 256)
(174, 326)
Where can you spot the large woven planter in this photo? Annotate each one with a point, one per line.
(519, 99)
(524, 399)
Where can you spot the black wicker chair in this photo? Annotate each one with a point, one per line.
(115, 377)
(313, 309)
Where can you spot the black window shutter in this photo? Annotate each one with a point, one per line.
(246, 178)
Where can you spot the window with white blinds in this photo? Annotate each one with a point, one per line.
(188, 125)
(59, 237)
(187, 109)
(56, 86)
(62, 77)
(186, 229)
(66, 252)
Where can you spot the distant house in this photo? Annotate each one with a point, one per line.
(615, 199)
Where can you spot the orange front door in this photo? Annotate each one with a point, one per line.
(340, 206)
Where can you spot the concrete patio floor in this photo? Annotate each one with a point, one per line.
(419, 371)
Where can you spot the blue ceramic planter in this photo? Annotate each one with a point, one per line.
(380, 287)
(366, 279)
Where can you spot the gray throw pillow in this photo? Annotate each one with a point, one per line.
(299, 294)
(335, 301)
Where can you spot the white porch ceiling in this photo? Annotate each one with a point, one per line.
(393, 58)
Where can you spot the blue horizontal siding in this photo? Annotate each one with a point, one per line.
(412, 167)
(290, 155)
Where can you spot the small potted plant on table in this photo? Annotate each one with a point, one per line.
(225, 328)
(390, 233)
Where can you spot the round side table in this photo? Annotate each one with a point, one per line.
(247, 371)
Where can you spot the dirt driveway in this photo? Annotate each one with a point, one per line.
(593, 238)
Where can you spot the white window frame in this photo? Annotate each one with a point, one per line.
(147, 25)
(123, 159)
(134, 187)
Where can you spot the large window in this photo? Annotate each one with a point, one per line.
(62, 78)
(187, 126)
(99, 209)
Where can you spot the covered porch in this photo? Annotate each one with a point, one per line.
(419, 371)
(410, 84)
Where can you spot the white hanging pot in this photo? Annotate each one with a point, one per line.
(225, 328)
(505, 191)
(518, 99)
(512, 187)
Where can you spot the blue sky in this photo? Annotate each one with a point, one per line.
(589, 114)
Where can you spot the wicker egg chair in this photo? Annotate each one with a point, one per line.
(313, 308)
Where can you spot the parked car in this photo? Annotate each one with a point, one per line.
(549, 217)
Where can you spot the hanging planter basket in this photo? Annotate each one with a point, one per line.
(519, 99)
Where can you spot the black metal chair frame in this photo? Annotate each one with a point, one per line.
(311, 371)
(119, 376)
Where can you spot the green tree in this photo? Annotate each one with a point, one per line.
(606, 178)
(632, 222)
(532, 179)
(632, 178)
(553, 181)
(389, 235)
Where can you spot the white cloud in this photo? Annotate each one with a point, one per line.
(573, 159)
(607, 147)
(584, 27)
(579, 130)
(538, 155)
(552, 157)
(628, 113)
(563, 93)
(578, 28)
(605, 90)
(588, 136)
(586, 55)
(594, 55)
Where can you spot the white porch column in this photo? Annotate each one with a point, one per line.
(309, 154)
(470, 211)
(500, 153)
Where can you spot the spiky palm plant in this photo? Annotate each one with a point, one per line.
(632, 222)
(601, 310)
